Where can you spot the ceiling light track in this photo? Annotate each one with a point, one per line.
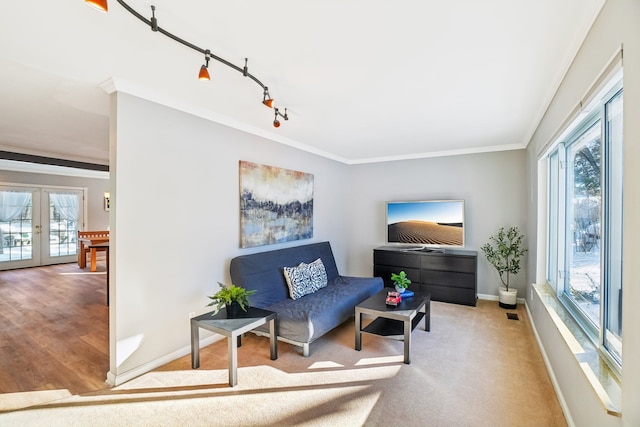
(204, 72)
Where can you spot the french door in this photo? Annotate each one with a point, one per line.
(39, 225)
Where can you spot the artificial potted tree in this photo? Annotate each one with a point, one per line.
(234, 298)
(504, 251)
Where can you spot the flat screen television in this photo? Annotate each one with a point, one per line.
(427, 223)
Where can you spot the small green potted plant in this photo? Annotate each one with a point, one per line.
(401, 281)
(232, 297)
(504, 251)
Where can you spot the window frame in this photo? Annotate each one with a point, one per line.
(558, 244)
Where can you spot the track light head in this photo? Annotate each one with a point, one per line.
(204, 73)
(154, 20)
(276, 122)
(204, 69)
(100, 5)
(266, 99)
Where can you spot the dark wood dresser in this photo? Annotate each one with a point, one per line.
(450, 275)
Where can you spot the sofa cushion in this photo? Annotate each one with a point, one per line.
(308, 318)
(305, 279)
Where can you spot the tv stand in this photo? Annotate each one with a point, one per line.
(433, 250)
(449, 275)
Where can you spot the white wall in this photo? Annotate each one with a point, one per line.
(617, 25)
(491, 184)
(175, 212)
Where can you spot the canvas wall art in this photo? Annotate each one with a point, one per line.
(276, 205)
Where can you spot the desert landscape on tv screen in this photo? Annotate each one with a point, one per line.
(426, 233)
(426, 223)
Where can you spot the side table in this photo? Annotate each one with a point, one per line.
(233, 330)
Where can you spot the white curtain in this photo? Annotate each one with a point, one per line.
(66, 205)
(12, 203)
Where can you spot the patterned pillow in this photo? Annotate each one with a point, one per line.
(305, 279)
(318, 274)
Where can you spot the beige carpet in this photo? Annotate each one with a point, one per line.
(475, 368)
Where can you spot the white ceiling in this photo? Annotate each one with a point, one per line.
(363, 80)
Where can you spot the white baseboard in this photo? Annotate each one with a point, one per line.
(121, 378)
(495, 298)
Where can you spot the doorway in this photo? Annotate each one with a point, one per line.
(39, 225)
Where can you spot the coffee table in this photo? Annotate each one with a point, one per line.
(233, 330)
(394, 321)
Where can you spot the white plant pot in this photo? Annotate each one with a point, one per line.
(508, 299)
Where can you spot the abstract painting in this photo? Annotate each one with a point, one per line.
(276, 205)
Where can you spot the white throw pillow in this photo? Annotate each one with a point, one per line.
(305, 279)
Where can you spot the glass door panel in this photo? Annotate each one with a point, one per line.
(60, 225)
(19, 235)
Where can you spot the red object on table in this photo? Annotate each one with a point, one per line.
(393, 298)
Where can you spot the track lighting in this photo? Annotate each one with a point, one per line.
(276, 122)
(204, 69)
(101, 5)
(267, 100)
(154, 20)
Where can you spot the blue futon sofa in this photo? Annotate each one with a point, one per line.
(303, 320)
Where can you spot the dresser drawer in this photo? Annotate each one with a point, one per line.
(453, 295)
(396, 259)
(448, 278)
(449, 263)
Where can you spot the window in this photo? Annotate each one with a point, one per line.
(584, 226)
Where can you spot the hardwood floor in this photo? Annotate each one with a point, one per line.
(54, 329)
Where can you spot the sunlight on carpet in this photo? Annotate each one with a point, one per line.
(380, 360)
(325, 365)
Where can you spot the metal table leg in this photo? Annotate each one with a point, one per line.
(232, 343)
(195, 346)
(273, 339)
(407, 341)
(358, 331)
